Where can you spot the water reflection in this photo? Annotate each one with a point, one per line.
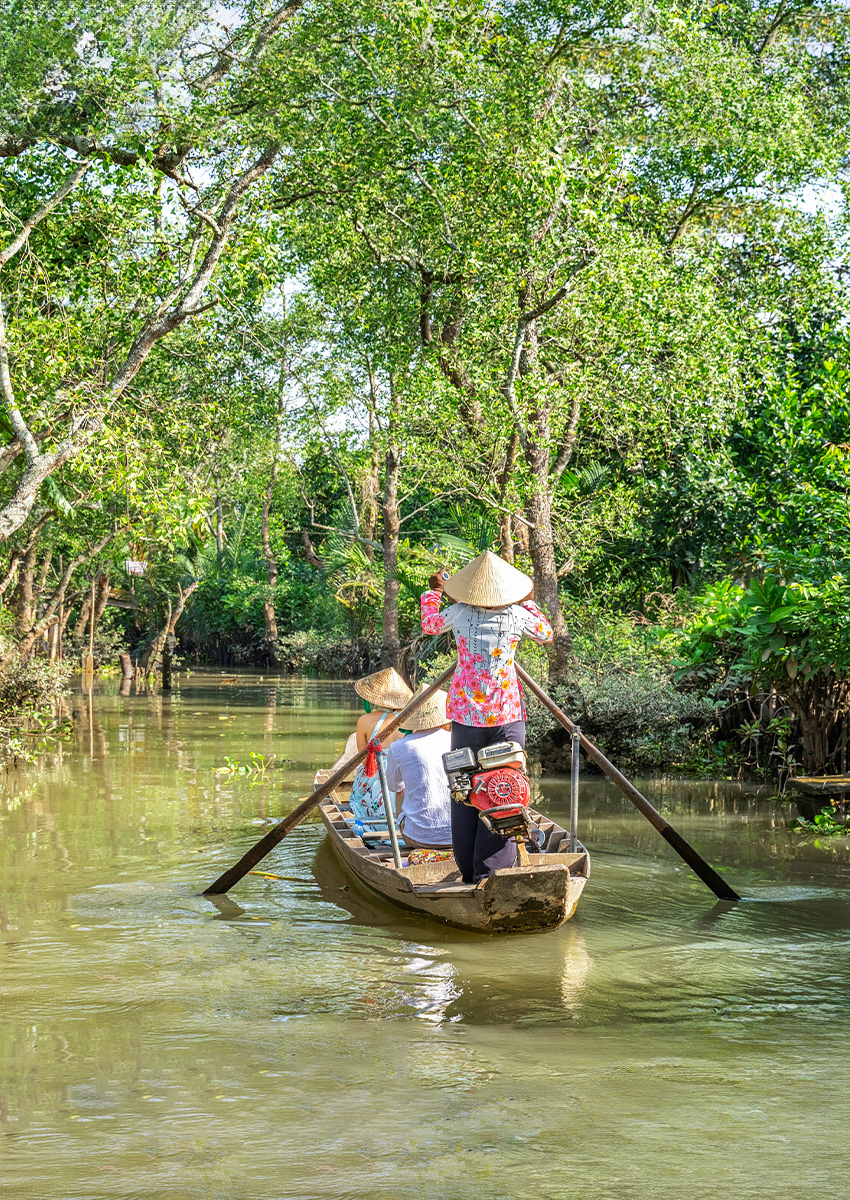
(302, 1038)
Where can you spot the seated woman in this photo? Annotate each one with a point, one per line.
(415, 774)
(383, 693)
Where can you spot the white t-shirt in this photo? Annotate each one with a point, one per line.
(415, 763)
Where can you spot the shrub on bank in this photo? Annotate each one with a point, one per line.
(30, 691)
(309, 652)
(110, 639)
(623, 694)
(787, 634)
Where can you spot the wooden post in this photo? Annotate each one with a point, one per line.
(576, 742)
(88, 658)
(259, 851)
(388, 809)
(707, 873)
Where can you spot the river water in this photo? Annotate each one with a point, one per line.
(308, 1041)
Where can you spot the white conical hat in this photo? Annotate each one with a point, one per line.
(386, 689)
(489, 582)
(430, 715)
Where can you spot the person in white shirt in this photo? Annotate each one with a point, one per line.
(415, 773)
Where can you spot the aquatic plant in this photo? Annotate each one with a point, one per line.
(828, 821)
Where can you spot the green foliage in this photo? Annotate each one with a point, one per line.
(623, 694)
(775, 487)
(29, 722)
(315, 651)
(110, 639)
(827, 822)
(770, 631)
(793, 636)
(523, 272)
(30, 684)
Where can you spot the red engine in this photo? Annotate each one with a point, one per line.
(503, 787)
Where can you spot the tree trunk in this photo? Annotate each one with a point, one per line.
(82, 620)
(542, 548)
(820, 704)
(150, 658)
(18, 555)
(271, 564)
(369, 488)
(41, 581)
(520, 532)
(541, 538)
(506, 537)
(24, 609)
(272, 570)
(169, 642)
(391, 641)
(310, 551)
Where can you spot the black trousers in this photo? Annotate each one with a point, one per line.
(478, 851)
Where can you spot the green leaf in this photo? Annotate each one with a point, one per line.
(779, 614)
(55, 498)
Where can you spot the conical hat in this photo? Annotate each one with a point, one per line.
(430, 715)
(488, 582)
(385, 689)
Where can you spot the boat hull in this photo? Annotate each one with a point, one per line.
(525, 899)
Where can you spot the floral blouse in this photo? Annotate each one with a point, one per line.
(484, 689)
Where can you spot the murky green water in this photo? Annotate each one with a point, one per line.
(311, 1042)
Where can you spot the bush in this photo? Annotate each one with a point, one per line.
(109, 640)
(31, 684)
(623, 694)
(789, 631)
(310, 652)
(29, 694)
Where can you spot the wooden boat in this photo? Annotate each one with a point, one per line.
(821, 785)
(529, 899)
(814, 792)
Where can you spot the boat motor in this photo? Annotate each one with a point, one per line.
(494, 781)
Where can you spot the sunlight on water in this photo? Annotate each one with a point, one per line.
(303, 1039)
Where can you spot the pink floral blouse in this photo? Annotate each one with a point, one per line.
(484, 689)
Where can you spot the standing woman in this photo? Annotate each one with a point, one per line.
(383, 694)
(493, 611)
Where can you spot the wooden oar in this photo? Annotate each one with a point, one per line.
(232, 876)
(684, 849)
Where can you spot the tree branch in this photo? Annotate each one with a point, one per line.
(20, 428)
(524, 321)
(157, 326)
(50, 203)
(690, 208)
(482, 499)
(568, 444)
(48, 618)
(773, 29)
